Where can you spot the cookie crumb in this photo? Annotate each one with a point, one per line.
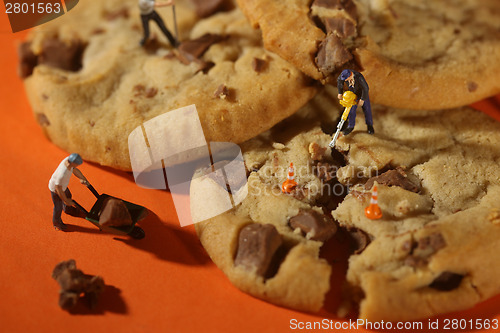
(317, 152)
(279, 146)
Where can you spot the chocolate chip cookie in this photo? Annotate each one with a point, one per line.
(417, 55)
(91, 84)
(434, 249)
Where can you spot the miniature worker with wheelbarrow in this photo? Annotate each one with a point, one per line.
(109, 214)
(61, 196)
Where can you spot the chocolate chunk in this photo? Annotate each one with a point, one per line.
(326, 171)
(27, 60)
(191, 50)
(300, 192)
(63, 55)
(114, 213)
(256, 247)
(120, 13)
(472, 86)
(360, 239)
(314, 225)
(395, 177)
(429, 245)
(424, 248)
(63, 266)
(331, 55)
(222, 92)
(140, 90)
(74, 282)
(68, 299)
(447, 281)
(258, 65)
(205, 66)
(42, 119)
(340, 26)
(205, 8)
(94, 289)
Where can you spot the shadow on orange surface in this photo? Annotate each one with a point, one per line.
(109, 301)
(182, 245)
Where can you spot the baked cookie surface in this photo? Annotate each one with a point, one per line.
(90, 83)
(432, 252)
(417, 55)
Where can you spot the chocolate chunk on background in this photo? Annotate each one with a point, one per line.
(257, 245)
(332, 54)
(27, 60)
(320, 226)
(205, 8)
(63, 55)
(447, 281)
(114, 213)
(191, 50)
(395, 177)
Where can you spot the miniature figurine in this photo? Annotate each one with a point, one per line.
(357, 84)
(61, 195)
(348, 101)
(148, 12)
(373, 211)
(289, 184)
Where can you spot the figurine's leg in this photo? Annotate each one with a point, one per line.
(56, 214)
(145, 27)
(164, 29)
(367, 109)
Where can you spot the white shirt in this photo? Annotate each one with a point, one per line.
(61, 176)
(146, 6)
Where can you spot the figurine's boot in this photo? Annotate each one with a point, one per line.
(60, 225)
(370, 130)
(347, 130)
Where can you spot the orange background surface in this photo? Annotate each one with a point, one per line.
(163, 283)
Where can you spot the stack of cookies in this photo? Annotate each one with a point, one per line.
(263, 74)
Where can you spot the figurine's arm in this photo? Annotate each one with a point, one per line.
(364, 88)
(165, 3)
(63, 196)
(80, 175)
(340, 87)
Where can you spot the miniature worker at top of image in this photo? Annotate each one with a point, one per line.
(356, 83)
(148, 13)
(61, 196)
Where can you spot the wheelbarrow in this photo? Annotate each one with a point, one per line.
(137, 213)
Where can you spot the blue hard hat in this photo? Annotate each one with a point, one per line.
(75, 158)
(345, 74)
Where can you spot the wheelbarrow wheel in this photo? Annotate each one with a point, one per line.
(137, 233)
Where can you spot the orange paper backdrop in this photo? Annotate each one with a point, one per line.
(163, 283)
